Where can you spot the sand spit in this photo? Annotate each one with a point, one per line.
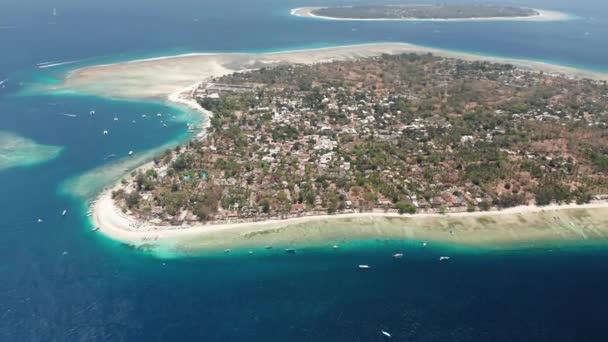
(158, 78)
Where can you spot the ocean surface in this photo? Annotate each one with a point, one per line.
(60, 282)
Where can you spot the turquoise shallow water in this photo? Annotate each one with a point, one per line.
(62, 283)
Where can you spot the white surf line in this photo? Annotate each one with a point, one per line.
(44, 66)
(45, 63)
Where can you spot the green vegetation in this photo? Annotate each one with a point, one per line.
(443, 11)
(404, 134)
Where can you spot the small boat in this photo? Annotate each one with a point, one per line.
(290, 251)
(385, 333)
(65, 211)
(398, 255)
(250, 252)
(92, 112)
(130, 153)
(424, 244)
(226, 250)
(95, 229)
(444, 258)
(115, 118)
(335, 247)
(268, 247)
(105, 132)
(159, 115)
(364, 267)
(39, 220)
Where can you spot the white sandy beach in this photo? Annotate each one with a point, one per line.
(543, 15)
(173, 78)
(515, 226)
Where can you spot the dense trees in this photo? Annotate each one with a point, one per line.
(384, 133)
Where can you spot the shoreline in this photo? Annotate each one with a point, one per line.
(523, 225)
(175, 77)
(542, 16)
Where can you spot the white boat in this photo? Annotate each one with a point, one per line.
(95, 229)
(364, 267)
(385, 333)
(398, 255)
(3, 81)
(335, 246)
(159, 115)
(65, 211)
(92, 112)
(424, 244)
(130, 153)
(105, 132)
(39, 220)
(444, 258)
(115, 118)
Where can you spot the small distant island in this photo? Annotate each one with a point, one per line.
(427, 12)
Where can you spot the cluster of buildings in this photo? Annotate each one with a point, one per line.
(348, 145)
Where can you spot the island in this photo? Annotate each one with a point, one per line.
(413, 144)
(406, 133)
(439, 12)
(394, 134)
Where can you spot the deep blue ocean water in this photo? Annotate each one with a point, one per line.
(59, 282)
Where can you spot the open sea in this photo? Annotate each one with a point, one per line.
(60, 282)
